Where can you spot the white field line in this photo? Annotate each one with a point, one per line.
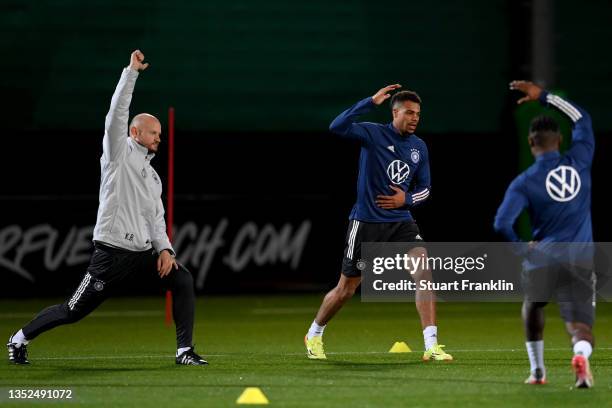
(114, 313)
(281, 310)
(340, 353)
(147, 313)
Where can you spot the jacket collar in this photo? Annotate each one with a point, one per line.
(548, 155)
(140, 149)
(397, 133)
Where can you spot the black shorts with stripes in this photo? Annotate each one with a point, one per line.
(359, 231)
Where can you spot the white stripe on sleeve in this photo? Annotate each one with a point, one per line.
(564, 106)
(420, 196)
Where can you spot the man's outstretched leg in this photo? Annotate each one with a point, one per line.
(107, 268)
(332, 303)
(533, 319)
(88, 296)
(425, 302)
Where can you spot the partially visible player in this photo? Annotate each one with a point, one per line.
(393, 177)
(556, 190)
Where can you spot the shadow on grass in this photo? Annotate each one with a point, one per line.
(81, 370)
(71, 370)
(366, 365)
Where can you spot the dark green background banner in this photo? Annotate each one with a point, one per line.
(286, 65)
(254, 65)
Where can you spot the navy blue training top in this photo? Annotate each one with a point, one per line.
(387, 158)
(556, 189)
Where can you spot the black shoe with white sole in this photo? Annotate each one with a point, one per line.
(190, 357)
(18, 353)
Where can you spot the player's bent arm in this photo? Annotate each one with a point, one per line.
(160, 239)
(344, 124)
(418, 195)
(583, 140)
(116, 124)
(511, 207)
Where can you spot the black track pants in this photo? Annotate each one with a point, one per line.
(108, 268)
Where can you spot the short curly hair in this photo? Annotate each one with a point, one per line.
(403, 96)
(544, 131)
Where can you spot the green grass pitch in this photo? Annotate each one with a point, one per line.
(122, 355)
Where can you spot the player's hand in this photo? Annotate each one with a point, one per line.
(165, 262)
(383, 94)
(396, 200)
(136, 61)
(532, 91)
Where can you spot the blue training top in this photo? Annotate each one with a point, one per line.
(387, 158)
(556, 189)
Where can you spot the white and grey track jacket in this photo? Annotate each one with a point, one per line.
(131, 212)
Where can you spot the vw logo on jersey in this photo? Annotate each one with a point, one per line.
(398, 171)
(563, 183)
(415, 156)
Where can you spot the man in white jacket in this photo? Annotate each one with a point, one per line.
(130, 234)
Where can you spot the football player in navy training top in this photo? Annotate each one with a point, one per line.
(393, 177)
(556, 191)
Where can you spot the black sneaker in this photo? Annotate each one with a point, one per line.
(190, 357)
(17, 355)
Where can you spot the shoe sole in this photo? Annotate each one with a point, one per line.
(434, 359)
(536, 382)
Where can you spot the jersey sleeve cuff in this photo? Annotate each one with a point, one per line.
(161, 246)
(409, 200)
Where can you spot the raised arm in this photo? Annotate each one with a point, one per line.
(583, 140)
(116, 125)
(345, 125)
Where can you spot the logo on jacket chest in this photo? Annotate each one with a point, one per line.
(415, 155)
(563, 183)
(398, 171)
(144, 173)
(155, 178)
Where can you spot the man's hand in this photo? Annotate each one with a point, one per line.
(397, 200)
(532, 91)
(383, 94)
(136, 61)
(165, 262)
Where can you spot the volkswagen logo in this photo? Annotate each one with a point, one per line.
(563, 183)
(398, 171)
